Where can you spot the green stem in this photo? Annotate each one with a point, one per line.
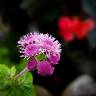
(22, 72)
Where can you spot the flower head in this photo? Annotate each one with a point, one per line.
(32, 44)
(54, 58)
(44, 68)
(31, 50)
(45, 50)
(32, 64)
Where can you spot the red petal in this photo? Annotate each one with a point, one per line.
(84, 28)
(88, 25)
(76, 24)
(65, 23)
(67, 35)
(81, 34)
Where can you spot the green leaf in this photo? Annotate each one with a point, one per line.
(41, 57)
(4, 72)
(4, 92)
(26, 78)
(21, 65)
(4, 75)
(13, 71)
(22, 86)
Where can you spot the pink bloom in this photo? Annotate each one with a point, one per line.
(54, 58)
(32, 64)
(50, 43)
(44, 68)
(33, 45)
(25, 40)
(31, 50)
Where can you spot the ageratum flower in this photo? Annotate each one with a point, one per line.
(45, 68)
(42, 52)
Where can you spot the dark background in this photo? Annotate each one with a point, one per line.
(23, 16)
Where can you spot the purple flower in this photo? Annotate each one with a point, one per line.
(44, 41)
(54, 58)
(32, 64)
(25, 40)
(33, 45)
(50, 43)
(31, 50)
(44, 68)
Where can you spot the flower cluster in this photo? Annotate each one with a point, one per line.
(74, 27)
(42, 51)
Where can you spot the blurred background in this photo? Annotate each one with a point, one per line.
(75, 75)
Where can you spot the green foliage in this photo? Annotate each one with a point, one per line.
(4, 56)
(21, 65)
(5, 59)
(12, 71)
(4, 75)
(3, 51)
(11, 86)
(41, 57)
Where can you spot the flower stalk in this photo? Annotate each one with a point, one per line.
(25, 70)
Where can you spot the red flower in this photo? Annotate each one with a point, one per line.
(66, 35)
(65, 25)
(82, 28)
(71, 28)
